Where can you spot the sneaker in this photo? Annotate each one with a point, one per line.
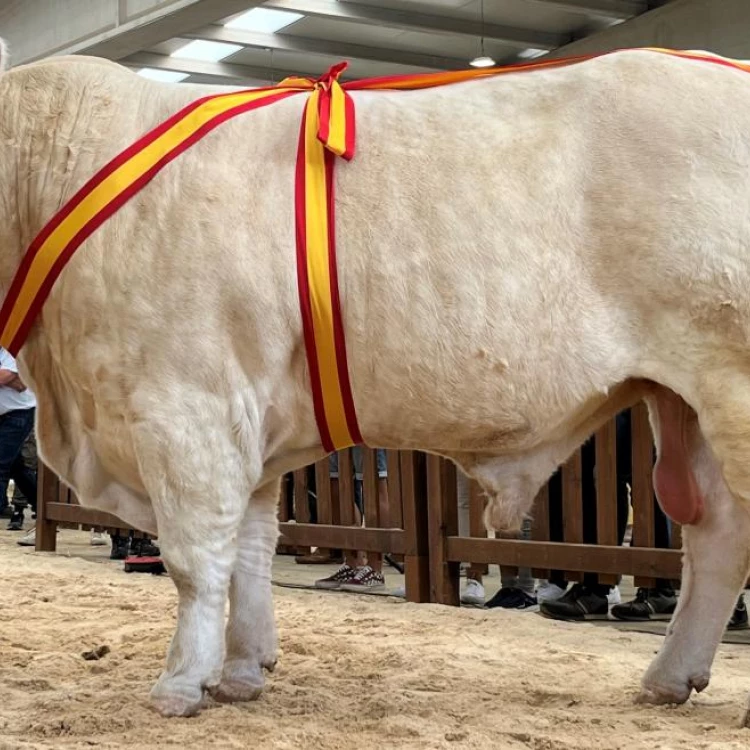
(143, 548)
(28, 539)
(508, 598)
(578, 604)
(343, 575)
(614, 597)
(120, 546)
(365, 579)
(548, 592)
(473, 593)
(98, 538)
(649, 604)
(16, 521)
(738, 620)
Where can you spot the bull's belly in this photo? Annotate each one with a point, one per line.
(476, 414)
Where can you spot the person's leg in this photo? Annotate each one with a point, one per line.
(369, 576)
(586, 601)
(24, 486)
(25, 480)
(554, 587)
(659, 602)
(516, 591)
(30, 462)
(348, 569)
(374, 559)
(473, 592)
(588, 505)
(15, 427)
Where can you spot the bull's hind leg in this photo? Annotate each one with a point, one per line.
(691, 487)
(199, 489)
(251, 629)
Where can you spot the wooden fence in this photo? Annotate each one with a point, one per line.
(420, 523)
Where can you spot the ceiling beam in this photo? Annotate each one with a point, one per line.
(151, 29)
(306, 45)
(338, 10)
(719, 27)
(616, 10)
(237, 74)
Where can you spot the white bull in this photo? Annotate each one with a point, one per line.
(519, 259)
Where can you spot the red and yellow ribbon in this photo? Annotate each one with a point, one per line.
(327, 132)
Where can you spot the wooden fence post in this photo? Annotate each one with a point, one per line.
(415, 515)
(443, 522)
(47, 491)
(606, 491)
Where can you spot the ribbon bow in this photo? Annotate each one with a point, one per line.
(330, 110)
(327, 131)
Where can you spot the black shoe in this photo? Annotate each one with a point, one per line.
(120, 546)
(511, 598)
(580, 603)
(738, 620)
(144, 548)
(16, 521)
(649, 604)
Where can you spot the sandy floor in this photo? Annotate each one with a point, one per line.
(355, 672)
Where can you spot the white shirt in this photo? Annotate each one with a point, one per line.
(11, 399)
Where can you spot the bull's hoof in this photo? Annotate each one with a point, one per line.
(655, 695)
(661, 694)
(236, 691)
(184, 702)
(270, 666)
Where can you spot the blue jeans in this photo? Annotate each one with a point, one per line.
(15, 427)
(358, 464)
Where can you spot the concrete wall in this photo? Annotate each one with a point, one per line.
(720, 26)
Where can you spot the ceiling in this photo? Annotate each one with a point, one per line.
(270, 40)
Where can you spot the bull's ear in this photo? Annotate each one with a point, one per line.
(4, 56)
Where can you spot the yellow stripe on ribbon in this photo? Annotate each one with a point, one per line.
(319, 278)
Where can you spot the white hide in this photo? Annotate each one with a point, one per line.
(517, 257)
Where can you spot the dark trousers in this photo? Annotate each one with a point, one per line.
(588, 490)
(15, 427)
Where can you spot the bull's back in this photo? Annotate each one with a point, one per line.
(509, 249)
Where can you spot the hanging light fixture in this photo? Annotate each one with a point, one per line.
(483, 61)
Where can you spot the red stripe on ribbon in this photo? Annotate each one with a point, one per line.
(338, 326)
(304, 292)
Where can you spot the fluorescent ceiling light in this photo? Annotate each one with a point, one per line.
(482, 62)
(527, 54)
(202, 49)
(263, 20)
(164, 76)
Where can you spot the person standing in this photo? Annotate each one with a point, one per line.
(17, 411)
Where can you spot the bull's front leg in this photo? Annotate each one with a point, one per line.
(200, 491)
(251, 630)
